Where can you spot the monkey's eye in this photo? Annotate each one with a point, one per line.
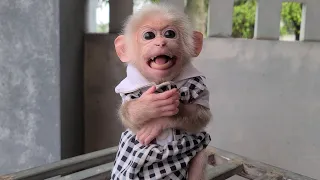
(170, 34)
(149, 35)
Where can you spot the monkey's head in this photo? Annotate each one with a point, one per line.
(158, 41)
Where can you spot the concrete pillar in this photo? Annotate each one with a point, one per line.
(267, 25)
(310, 23)
(119, 11)
(40, 82)
(220, 18)
(178, 3)
(91, 16)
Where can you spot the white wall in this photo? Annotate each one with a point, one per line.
(265, 98)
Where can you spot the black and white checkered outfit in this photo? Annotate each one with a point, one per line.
(171, 161)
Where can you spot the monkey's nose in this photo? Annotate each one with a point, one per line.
(161, 44)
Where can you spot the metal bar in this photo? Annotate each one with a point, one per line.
(223, 171)
(66, 166)
(103, 171)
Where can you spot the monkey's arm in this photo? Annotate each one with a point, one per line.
(128, 119)
(135, 113)
(191, 118)
(195, 116)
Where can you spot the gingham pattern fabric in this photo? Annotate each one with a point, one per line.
(134, 95)
(191, 89)
(188, 92)
(171, 161)
(136, 161)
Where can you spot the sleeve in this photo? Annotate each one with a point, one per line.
(129, 96)
(203, 99)
(194, 91)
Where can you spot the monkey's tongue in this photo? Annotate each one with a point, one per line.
(161, 60)
(161, 63)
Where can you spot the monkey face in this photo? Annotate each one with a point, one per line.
(159, 50)
(158, 42)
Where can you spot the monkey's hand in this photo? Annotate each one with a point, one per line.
(152, 129)
(149, 106)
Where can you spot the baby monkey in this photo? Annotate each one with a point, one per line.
(165, 103)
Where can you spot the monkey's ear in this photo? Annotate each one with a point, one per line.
(119, 44)
(198, 41)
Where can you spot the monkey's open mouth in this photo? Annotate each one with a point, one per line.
(162, 62)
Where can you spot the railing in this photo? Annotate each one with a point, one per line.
(220, 17)
(98, 165)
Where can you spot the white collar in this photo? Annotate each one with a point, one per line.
(135, 79)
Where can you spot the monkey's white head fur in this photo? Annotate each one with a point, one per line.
(179, 19)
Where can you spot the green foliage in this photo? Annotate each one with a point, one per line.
(155, 1)
(243, 18)
(102, 28)
(239, 2)
(291, 18)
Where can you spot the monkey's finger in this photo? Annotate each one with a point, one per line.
(164, 95)
(151, 90)
(154, 133)
(139, 133)
(169, 113)
(144, 135)
(171, 107)
(139, 137)
(166, 102)
(175, 96)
